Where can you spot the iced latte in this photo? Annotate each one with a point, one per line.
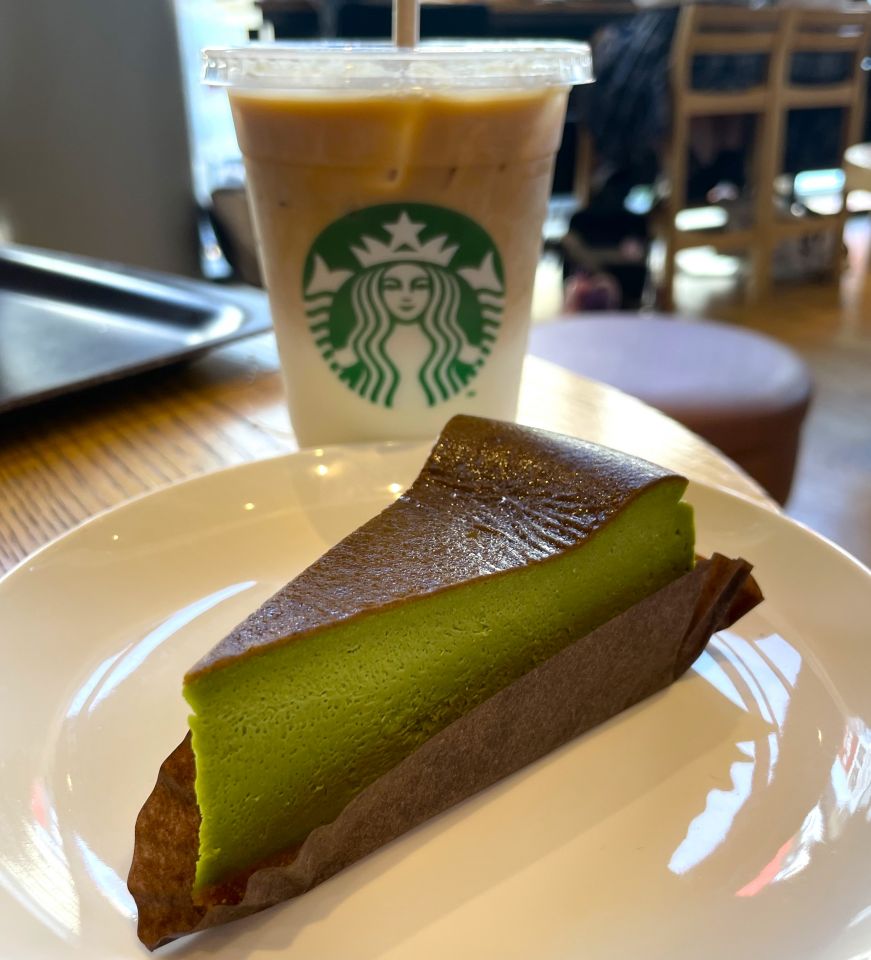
(399, 220)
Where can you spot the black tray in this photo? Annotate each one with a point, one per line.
(69, 322)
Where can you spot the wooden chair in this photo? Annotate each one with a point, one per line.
(815, 31)
(723, 31)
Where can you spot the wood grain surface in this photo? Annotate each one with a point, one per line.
(65, 461)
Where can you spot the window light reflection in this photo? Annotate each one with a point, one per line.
(117, 668)
(847, 793)
(107, 881)
(712, 825)
(37, 873)
(758, 678)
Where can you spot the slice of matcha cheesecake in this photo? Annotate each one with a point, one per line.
(511, 544)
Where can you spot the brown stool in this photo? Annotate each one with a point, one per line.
(743, 392)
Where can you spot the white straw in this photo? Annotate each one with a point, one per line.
(406, 23)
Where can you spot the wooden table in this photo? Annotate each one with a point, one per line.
(64, 462)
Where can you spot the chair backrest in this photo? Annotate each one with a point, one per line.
(842, 33)
(729, 32)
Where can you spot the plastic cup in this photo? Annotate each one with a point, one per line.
(398, 199)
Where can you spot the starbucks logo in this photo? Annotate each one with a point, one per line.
(424, 268)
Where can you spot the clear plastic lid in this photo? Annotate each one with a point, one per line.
(460, 65)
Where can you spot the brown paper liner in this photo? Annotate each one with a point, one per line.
(615, 666)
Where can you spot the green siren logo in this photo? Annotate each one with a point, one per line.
(404, 291)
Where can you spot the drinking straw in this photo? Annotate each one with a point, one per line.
(406, 23)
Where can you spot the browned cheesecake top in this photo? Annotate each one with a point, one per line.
(492, 496)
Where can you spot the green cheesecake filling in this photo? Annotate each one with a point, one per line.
(285, 737)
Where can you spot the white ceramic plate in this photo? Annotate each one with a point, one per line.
(726, 817)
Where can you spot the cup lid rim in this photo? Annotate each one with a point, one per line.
(436, 65)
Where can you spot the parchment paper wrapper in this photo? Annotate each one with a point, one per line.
(627, 659)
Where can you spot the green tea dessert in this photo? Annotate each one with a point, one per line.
(511, 544)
